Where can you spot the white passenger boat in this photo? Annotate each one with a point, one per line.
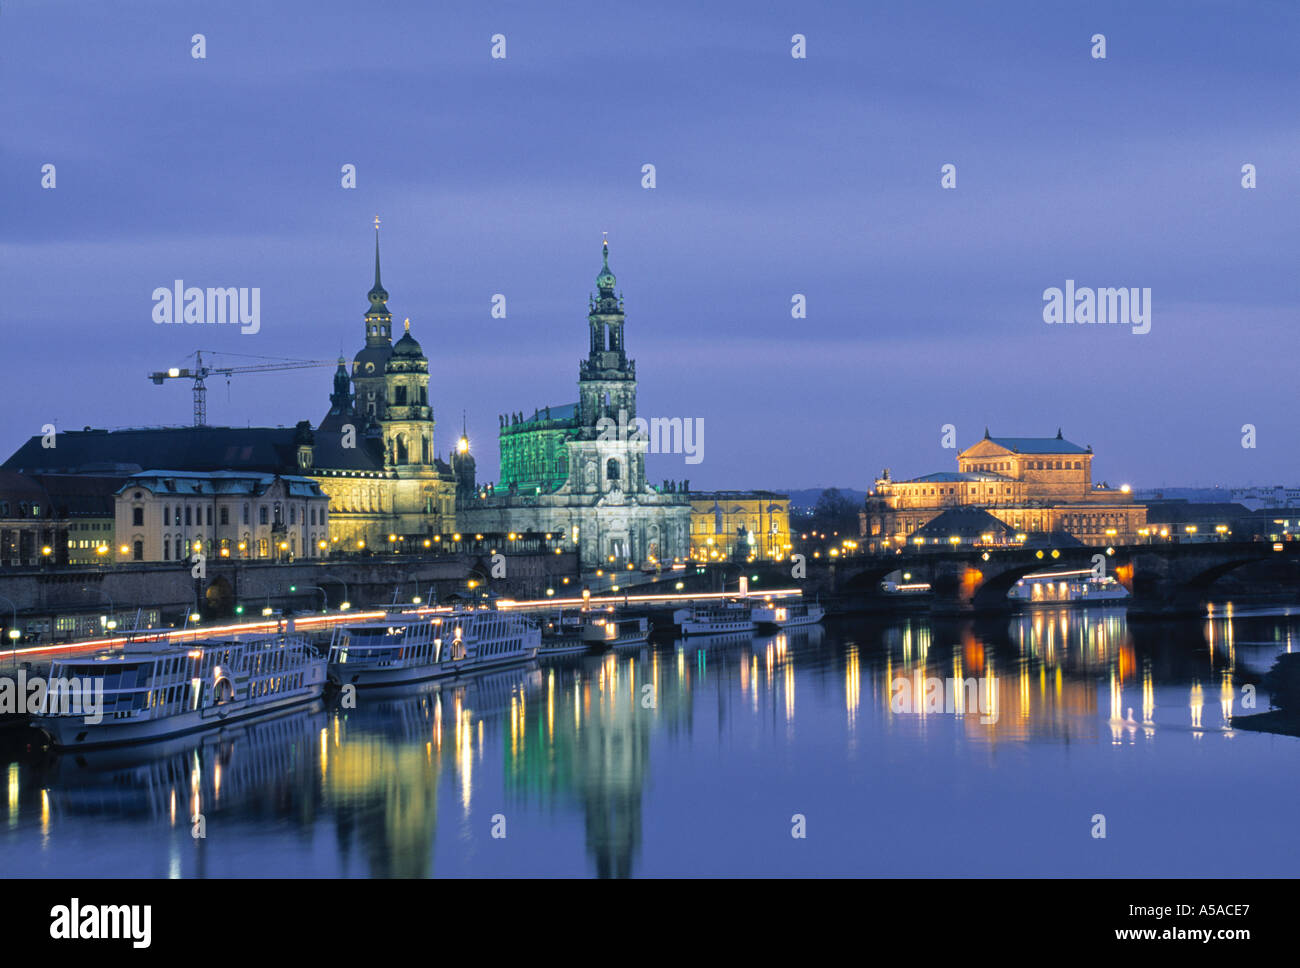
(148, 691)
(562, 634)
(410, 647)
(715, 618)
(610, 631)
(783, 616)
(1066, 588)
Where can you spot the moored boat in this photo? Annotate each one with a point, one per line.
(715, 618)
(782, 616)
(562, 634)
(414, 646)
(1066, 588)
(149, 691)
(610, 631)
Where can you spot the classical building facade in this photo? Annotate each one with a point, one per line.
(172, 515)
(728, 525)
(1033, 484)
(577, 470)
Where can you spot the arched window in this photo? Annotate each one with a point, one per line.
(137, 551)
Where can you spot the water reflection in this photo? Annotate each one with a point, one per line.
(597, 744)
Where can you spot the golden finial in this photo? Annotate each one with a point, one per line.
(376, 223)
(408, 324)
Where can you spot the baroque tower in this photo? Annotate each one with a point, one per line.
(368, 366)
(606, 378)
(407, 419)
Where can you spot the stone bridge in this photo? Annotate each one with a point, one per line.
(1163, 579)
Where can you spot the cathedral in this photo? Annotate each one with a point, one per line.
(574, 469)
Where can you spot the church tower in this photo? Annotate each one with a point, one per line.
(407, 419)
(462, 467)
(368, 366)
(606, 378)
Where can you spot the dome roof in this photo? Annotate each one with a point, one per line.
(407, 345)
(370, 360)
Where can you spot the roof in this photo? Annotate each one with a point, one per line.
(964, 522)
(82, 496)
(736, 495)
(949, 477)
(218, 482)
(16, 488)
(565, 413)
(1038, 445)
(267, 450)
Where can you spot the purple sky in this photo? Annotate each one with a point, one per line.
(775, 176)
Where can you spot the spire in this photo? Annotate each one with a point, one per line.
(1058, 434)
(341, 398)
(378, 294)
(605, 281)
(986, 432)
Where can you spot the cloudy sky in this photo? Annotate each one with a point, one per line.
(774, 176)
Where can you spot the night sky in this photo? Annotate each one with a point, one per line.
(775, 176)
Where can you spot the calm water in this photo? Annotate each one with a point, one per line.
(588, 772)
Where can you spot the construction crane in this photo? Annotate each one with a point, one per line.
(201, 371)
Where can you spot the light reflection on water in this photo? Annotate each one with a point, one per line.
(695, 757)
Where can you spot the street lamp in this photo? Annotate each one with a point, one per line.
(14, 633)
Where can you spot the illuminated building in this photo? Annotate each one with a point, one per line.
(1033, 484)
(721, 520)
(576, 471)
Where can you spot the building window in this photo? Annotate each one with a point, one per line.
(225, 515)
(208, 516)
(189, 515)
(262, 515)
(137, 517)
(137, 552)
(293, 514)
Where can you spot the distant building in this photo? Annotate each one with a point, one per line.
(1197, 521)
(29, 532)
(1256, 498)
(758, 522)
(1032, 484)
(84, 505)
(575, 470)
